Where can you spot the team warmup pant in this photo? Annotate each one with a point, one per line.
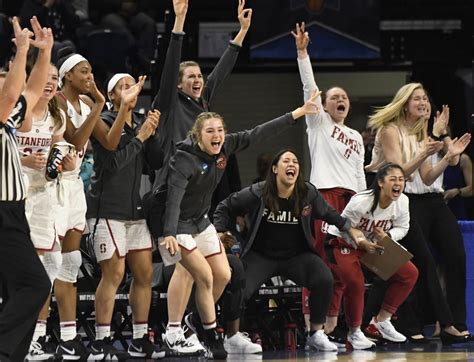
(28, 284)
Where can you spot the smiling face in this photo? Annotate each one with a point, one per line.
(192, 82)
(417, 105)
(212, 135)
(391, 186)
(116, 94)
(80, 77)
(287, 170)
(52, 84)
(337, 104)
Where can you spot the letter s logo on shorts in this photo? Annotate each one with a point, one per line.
(102, 248)
(221, 162)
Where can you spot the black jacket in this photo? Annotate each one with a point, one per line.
(115, 184)
(250, 201)
(178, 110)
(193, 176)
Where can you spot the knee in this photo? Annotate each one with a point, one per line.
(222, 277)
(52, 264)
(204, 279)
(143, 276)
(410, 274)
(71, 262)
(322, 279)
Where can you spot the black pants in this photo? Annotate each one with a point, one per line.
(442, 232)
(27, 282)
(306, 269)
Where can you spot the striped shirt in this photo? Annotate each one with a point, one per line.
(12, 187)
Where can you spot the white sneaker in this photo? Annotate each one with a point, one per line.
(193, 339)
(388, 331)
(241, 343)
(37, 353)
(320, 342)
(180, 346)
(359, 341)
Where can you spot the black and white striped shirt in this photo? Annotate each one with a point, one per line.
(12, 187)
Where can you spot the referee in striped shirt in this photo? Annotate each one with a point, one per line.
(26, 280)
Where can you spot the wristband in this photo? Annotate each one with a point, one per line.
(440, 137)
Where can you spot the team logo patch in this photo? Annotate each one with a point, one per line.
(221, 162)
(345, 251)
(306, 210)
(204, 168)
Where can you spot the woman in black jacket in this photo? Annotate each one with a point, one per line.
(282, 211)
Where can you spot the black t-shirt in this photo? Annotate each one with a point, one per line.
(280, 236)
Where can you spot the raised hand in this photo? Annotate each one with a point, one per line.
(441, 121)
(310, 107)
(149, 126)
(95, 92)
(458, 145)
(431, 147)
(180, 7)
(22, 37)
(44, 39)
(128, 95)
(301, 37)
(244, 16)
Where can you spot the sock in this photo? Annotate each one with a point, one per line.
(139, 329)
(173, 326)
(102, 331)
(68, 330)
(211, 325)
(40, 329)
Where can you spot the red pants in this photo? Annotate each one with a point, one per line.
(347, 269)
(338, 198)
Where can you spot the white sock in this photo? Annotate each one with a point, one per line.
(139, 330)
(173, 326)
(40, 329)
(68, 330)
(102, 331)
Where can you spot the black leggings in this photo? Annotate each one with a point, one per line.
(306, 269)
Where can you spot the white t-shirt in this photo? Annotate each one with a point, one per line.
(39, 139)
(415, 184)
(336, 151)
(394, 218)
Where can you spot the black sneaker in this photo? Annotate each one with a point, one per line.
(144, 348)
(42, 350)
(75, 350)
(108, 351)
(214, 345)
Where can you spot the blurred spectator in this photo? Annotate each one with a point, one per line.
(458, 186)
(263, 164)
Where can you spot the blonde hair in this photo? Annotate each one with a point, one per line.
(395, 112)
(195, 131)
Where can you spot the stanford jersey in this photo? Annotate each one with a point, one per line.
(395, 218)
(337, 151)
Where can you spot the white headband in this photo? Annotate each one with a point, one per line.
(68, 64)
(114, 80)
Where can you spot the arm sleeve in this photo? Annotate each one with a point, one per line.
(154, 154)
(115, 160)
(178, 178)
(221, 70)
(309, 86)
(401, 224)
(239, 141)
(237, 204)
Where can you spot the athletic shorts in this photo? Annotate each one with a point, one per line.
(119, 236)
(72, 210)
(40, 210)
(207, 242)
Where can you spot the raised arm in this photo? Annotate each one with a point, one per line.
(15, 78)
(245, 19)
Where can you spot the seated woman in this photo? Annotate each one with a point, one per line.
(378, 212)
(282, 211)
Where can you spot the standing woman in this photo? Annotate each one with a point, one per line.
(115, 216)
(282, 211)
(75, 75)
(193, 174)
(335, 148)
(402, 138)
(378, 212)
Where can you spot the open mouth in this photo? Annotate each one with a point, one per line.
(341, 108)
(197, 88)
(215, 144)
(290, 172)
(396, 191)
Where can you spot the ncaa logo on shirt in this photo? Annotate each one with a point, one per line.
(221, 162)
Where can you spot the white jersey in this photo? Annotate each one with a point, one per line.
(394, 218)
(336, 151)
(38, 140)
(77, 120)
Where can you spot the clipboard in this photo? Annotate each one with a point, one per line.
(387, 263)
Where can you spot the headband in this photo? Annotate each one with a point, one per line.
(114, 80)
(68, 64)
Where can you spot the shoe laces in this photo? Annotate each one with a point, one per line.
(36, 348)
(244, 335)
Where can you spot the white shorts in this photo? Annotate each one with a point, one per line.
(40, 209)
(72, 210)
(119, 236)
(207, 242)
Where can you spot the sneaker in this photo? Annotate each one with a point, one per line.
(193, 323)
(320, 341)
(178, 345)
(55, 157)
(241, 343)
(106, 348)
(39, 352)
(358, 340)
(143, 347)
(214, 345)
(384, 330)
(337, 339)
(75, 350)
